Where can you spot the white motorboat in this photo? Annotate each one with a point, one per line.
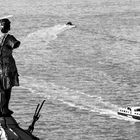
(132, 112)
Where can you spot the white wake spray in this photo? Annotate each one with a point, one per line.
(73, 98)
(49, 33)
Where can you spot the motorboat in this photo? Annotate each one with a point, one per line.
(10, 130)
(131, 112)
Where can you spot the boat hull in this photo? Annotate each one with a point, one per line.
(129, 115)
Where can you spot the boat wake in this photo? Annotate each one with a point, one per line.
(72, 98)
(119, 117)
(47, 34)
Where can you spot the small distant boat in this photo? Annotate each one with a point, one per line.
(69, 23)
(131, 112)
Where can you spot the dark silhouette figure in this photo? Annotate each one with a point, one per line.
(8, 69)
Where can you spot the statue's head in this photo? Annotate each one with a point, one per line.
(5, 25)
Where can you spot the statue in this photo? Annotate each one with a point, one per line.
(9, 128)
(8, 69)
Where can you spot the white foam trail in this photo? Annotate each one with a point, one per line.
(81, 100)
(49, 33)
(72, 98)
(110, 113)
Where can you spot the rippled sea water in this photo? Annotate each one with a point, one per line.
(85, 73)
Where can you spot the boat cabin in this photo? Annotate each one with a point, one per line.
(130, 111)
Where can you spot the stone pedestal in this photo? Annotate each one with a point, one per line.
(10, 130)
